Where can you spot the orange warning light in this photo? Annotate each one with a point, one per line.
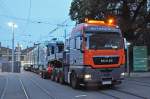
(111, 21)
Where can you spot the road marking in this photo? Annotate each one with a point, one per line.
(43, 89)
(23, 87)
(78, 96)
(4, 91)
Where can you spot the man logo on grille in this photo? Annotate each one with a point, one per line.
(106, 60)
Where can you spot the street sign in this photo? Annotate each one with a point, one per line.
(140, 58)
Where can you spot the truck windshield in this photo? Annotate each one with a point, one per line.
(104, 40)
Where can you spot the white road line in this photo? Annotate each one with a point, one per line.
(24, 90)
(5, 87)
(78, 96)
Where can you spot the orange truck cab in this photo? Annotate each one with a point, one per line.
(96, 54)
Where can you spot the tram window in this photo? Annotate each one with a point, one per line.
(52, 52)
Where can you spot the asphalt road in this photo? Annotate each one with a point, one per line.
(28, 85)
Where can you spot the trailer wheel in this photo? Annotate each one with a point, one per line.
(112, 86)
(61, 80)
(41, 74)
(44, 75)
(56, 78)
(74, 81)
(48, 76)
(52, 77)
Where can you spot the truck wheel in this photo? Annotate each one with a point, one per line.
(48, 76)
(56, 79)
(44, 75)
(41, 74)
(61, 80)
(74, 81)
(52, 77)
(111, 86)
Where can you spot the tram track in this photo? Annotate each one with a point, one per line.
(41, 88)
(134, 94)
(103, 93)
(4, 89)
(129, 93)
(109, 94)
(118, 94)
(142, 83)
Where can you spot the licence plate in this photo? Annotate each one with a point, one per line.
(106, 82)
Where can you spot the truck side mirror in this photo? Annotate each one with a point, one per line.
(82, 51)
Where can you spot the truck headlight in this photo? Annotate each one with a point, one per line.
(122, 75)
(87, 76)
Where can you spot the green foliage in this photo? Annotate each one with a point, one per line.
(128, 18)
(91, 9)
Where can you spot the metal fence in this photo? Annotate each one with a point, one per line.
(7, 67)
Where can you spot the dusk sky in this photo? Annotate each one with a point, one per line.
(35, 19)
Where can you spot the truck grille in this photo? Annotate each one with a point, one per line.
(105, 60)
(107, 79)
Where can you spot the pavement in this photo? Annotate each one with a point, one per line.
(138, 74)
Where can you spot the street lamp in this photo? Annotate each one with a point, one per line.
(13, 26)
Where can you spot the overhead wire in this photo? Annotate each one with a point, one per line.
(63, 23)
(58, 26)
(28, 16)
(28, 20)
(8, 11)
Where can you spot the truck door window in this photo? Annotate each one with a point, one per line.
(72, 43)
(78, 42)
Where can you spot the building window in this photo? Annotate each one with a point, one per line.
(10, 58)
(22, 58)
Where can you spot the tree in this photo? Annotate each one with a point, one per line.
(92, 9)
(128, 13)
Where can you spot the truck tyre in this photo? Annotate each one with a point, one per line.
(56, 78)
(48, 76)
(74, 81)
(44, 75)
(52, 77)
(112, 86)
(41, 74)
(61, 80)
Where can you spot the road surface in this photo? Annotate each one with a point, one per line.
(27, 85)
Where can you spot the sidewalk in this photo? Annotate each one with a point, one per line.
(138, 74)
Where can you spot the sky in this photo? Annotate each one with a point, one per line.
(35, 19)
